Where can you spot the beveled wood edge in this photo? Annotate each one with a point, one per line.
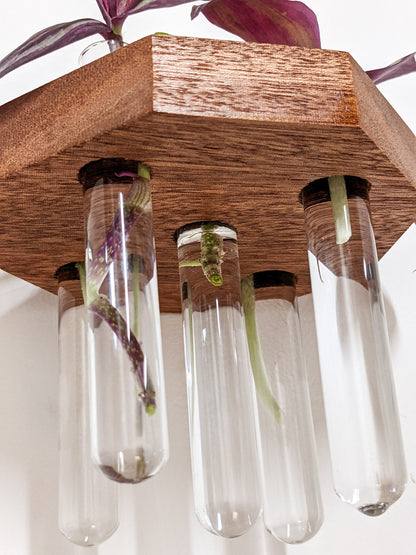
(36, 126)
(49, 119)
(383, 125)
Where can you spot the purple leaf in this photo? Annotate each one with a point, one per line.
(124, 8)
(110, 7)
(52, 39)
(397, 69)
(105, 11)
(102, 308)
(265, 21)
(134, 6)
(121, 226)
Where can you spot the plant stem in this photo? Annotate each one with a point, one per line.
(339, 201)
(136, 295)
(110, 315)
(212, 254)
(115, 40)
(186, 263)
(102, 308)
(256, 357)
(191, 363)
(133, 208)
(82, 278)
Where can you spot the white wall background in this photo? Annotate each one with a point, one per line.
(157, 517)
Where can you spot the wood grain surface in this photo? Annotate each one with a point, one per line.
(232, 132)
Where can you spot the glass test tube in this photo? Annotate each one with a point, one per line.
(360, 402)
(221, 398)
(88, 512)
(128, 397)
(291, 493)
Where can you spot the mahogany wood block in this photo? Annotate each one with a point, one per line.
(232, 132)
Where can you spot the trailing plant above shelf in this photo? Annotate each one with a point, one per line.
(285, 22)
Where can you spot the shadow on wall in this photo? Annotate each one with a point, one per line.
(29, 407)
(391, 320)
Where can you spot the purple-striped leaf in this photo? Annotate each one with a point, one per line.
(110, 7)
(152, 5)
(397, 69)
(105, 11)
(118, 10)
(266, 21)
(52, 39)
(124, 6)
(137, 198)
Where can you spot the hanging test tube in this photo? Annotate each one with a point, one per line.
(130, 440)
(221, 397)
(88, 512)
(291, 493)
(360, 403)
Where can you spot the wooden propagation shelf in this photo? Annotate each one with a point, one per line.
(232, 132)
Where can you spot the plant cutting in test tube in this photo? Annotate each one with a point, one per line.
(366, 448)
(256, 357)
(98, 303)
(221, 400)
(212, 254)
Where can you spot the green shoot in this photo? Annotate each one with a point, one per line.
(261, 381)
(339, 200)
(186, 263)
